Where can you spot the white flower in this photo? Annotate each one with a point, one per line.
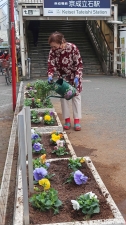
(60, 143)
(92, 195)
(32, 131)
(40, 118)
(75, 204)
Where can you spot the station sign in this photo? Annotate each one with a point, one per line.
(86, 8)
(31, 12)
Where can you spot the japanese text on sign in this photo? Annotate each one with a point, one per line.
(80, 3)
(77, 8)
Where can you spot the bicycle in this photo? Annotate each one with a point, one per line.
(6, 70)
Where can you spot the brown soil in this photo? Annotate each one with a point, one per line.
(49, 148)
(11, 198)
(41, 124)
(68, 192)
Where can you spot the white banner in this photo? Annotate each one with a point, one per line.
(76, 12)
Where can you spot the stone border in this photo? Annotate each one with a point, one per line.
(117, 220)
(44, 129)
(44, 109)
(4, 192)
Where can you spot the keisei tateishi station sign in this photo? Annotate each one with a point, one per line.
(77, 8)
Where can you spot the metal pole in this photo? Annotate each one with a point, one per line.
(13, 54)
(8, 28)
(22, 48)
(29, 147)
(115, 38)
(22, 146)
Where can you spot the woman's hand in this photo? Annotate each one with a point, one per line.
(76, 81)
(50, 79)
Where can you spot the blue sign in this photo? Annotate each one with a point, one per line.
(77, 8)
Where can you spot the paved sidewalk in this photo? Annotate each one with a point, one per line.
(6, 118)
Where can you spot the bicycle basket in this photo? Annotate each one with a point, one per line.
(5, 64)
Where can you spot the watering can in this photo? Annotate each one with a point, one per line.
(64, 89)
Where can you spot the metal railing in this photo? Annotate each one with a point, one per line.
(103, 51)
(28, 68)
(30, 1)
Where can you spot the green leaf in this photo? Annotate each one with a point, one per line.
(56, 211)
(58, 203)
(48, 203)
(96, 210)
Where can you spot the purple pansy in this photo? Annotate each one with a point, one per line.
(51, 113)
(39, 173)
(47, 164)
(34, 136)
(37, 147)
(79, 177)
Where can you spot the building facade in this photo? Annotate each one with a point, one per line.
(3, 26)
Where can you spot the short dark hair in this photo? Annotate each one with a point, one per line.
(56, 37)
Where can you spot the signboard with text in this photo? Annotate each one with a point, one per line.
(84, 8)
(31, 12)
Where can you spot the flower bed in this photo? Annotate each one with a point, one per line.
(93, 189)
(45, 121)
(48, 147)
(35, 94)
(66, 193)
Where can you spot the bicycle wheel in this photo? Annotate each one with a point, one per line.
(9, 76)
(6, 78)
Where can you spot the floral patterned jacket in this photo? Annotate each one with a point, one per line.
(66, 62)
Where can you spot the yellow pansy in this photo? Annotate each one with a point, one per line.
(43, 158)
(82, 160)
(45, 183)
(55, 137)
(47, 117)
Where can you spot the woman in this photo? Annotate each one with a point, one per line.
(64, 59)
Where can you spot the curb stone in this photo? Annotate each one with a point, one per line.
(4, 191)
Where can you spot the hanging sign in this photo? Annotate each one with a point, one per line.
(31, 12)
(77, 8)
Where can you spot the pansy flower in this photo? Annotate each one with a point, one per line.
(39, 173)
(45, 183)
(34, 136)
(47, 117)
(80, 178)
(37, 147)
(43, 158)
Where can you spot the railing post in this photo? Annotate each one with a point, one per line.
(22, 41)
(115, 38)
(22, 147)
(29, 147)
